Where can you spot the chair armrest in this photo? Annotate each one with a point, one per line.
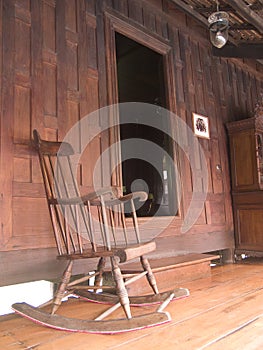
(86, 198)
(135, 251)
(140, 195)
(101, 192)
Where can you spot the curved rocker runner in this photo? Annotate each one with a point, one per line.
(140, 300)
(88, 326)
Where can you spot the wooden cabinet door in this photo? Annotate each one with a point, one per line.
(244, 162)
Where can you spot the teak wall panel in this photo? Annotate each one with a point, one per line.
(27, 221)
(41, 89)
(22, 101)
(89, 160)
(54, 74)
(121, 6)
(49, 89)
(22, 170)
(70, 17)
(72, 65)
(22, 47)
(92, 44)
(49, 26)
(91, 6)
(135, 10)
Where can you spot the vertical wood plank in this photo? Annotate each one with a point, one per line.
(61, 68)
(49, 62)
(7, 113)
(216, 170)
(72, 66)
(37, 120)
(89, 159)
(22, 102)
(1, 70)
(235, 96)
(121, 6)
(174, 35)
(70, 15)
(82, 56)
(92, 91)
(135, 11)
(92, 59)
(91, 6)
(103, 96)
(206, 65)
(49, 90)
(149, 19)
(22, 170)
(49, 27)
(22, 47)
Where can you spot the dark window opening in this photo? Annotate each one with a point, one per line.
(140, 74)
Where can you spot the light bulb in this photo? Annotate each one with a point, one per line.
(219, 40)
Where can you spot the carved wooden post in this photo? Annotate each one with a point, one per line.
(150, 276)
(120, 286)
(62, 287)
(100, 270)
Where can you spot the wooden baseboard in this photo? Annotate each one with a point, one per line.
(172, 272)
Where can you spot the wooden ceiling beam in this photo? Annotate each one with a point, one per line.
(257, 6)
(246, 12)
(212, 9)
(244, 26)
(254, 51)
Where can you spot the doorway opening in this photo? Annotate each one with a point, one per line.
(141, 78)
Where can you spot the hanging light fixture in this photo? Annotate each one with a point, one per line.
(218, 27)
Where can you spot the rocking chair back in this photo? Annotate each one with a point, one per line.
(77, 227)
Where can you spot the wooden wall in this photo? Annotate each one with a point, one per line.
(55, 70)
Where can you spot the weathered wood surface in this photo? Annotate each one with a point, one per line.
(145, 300)
(231, 300)
(171, 271)
(172, 262)
(88, 326)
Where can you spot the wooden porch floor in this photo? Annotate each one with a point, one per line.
(224, 311)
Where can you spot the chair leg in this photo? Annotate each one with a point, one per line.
(62, 287)
(150, 276)
(100, 270)
(120, 287)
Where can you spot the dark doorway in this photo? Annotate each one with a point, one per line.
(140, 74)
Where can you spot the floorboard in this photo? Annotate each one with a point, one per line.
(223, 311)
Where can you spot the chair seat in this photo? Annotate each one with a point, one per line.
(125, 253)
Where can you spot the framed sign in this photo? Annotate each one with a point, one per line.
(201, 126)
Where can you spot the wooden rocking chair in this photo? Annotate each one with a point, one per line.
(80, 234)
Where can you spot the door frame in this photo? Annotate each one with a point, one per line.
(136, 32)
